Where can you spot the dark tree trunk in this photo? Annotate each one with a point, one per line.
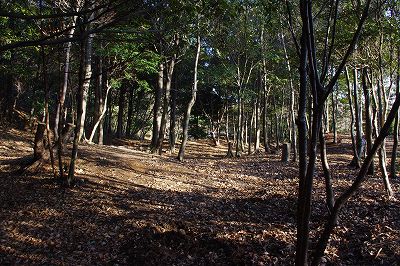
(333, 217)
(63, 88)
(121, 107)
(330, 198)
(79, 110)
(128, 130)
(86, 83)
(302, 228)
(239, 145)
(47, 114)
(172, 127)
(358, 122)
(334, 116)
(368, 121)
(285, 152)
(166, 104)
(393, 163)
(352, 122)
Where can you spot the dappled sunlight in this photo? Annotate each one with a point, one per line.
(244, 206)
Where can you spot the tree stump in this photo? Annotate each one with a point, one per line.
(285, 152)
(230, 150)
(67, 132)
(39, 142)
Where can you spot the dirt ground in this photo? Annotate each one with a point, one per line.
(133, 208)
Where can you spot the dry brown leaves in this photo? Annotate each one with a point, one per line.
(131, 207)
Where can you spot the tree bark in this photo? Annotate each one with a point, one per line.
(330, 197)
(166, 103)
(121, 107)
(393, 163)
(302, 228)
(382, 149)
(128, 130)
(156, 107)
(63, 89)
(100, 118)
(352, 122)
(368, 121)
(172, 127)
(79, 110)
(333, 217)
(192, 101)
(358, 122)
(86, 83)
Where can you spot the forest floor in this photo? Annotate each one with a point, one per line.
(131, 207)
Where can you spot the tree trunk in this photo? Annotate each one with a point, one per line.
(186, 118)
(352, 122)
(99, 121)
(121, 107)
(382, 150)
(285, 152)
(368, 121)
(156, 108)
(330, 198)
(166, 102)
(334, 116)
(265, 119)
(128, 130)
(302, 227)
(333, 217)
(172, 127)
(393, 164)
(358, 122)
(239, 145)
(86, 83)
(63, 89)
(79, 110)
(257, 123)
(47, 114)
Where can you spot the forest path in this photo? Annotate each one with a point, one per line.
(133, 207)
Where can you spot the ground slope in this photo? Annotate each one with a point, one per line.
(131, 207)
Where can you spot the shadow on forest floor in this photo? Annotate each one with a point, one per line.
(131, 207)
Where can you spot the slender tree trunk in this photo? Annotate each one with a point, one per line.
(393, 164)
(382, 150)
(340, 202)
(330, 197)
(368, 121)
(292, 129)
(358, 113)
(172, 127)
(166, 102)
(99, 121)
(251, 127)
(63, 89)
(239, 144)
(276, 124)
(86, 83)
(121, 107)
(334, 116)
(128, 130)
(352, 122)
(302, 228)
(156, 107)
(265, 119)
(227, 124)
(192, 101)
(47, 114)
(79, 111)
(257, 122)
